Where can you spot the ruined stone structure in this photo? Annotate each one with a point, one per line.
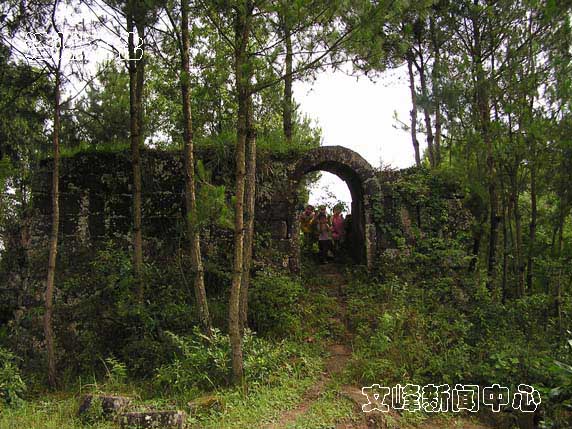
(392, 211)
(95, 199)
(363, 185)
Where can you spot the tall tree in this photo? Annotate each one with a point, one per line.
(249, 213)
(135, 17)
(285, 21)
(53, 246)
(190, 183)
(421, 62)
(413, 112)
(53, 46)
(242, 26)
(435, 80)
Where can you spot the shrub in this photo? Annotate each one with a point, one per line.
(274, 304)
(204, 363)
(12, 387)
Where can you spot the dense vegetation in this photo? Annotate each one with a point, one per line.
(476, 294)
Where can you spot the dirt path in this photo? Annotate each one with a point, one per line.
(340, 352)
(339, 355)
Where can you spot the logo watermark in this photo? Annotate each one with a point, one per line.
(433, 398)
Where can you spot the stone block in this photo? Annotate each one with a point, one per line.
(153, 420)
(110, 405)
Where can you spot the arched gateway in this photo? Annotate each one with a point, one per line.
(361, 179)
(95, 190)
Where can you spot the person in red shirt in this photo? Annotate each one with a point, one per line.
(338, 228)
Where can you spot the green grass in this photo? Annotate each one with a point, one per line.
(260, 407)
(68, 152)
(53, 412)
(329, 409)
(265, 402)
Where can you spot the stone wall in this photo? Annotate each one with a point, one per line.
(390, 209)
(96, 197)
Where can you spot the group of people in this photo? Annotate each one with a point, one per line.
(330, 231)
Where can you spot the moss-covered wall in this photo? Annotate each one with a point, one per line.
(96, 196)
(95, 200)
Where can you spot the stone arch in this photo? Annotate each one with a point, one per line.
(361, 180)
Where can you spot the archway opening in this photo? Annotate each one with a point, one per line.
(326, 189)
(360, 179)
(338, 185)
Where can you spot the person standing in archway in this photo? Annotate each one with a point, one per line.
(307, 225)
(324, 237)
(338, 229)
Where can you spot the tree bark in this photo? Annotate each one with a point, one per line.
(190, 183)
(413, 112)
(426, 114)
(136, 78)
(483, 107)
(287, 107)
(436, 90)
(518, 241)
(532, 227)
(242, 78)
(250, 200)
(53, 246)
(506, 219)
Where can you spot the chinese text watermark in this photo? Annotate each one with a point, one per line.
(433, 398)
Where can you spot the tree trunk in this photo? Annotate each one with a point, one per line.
(413, 112)
(287, 108)
(250, 200)
(436, 90)
(426, 114)
(136, 76)
(53, 249)
(514, 201)
(242, 77)
(506, 219)
(190, 198)
(438, 132)
(561, 233)
(532, 227)
(483, 106)
(518, 242)
(505, 256)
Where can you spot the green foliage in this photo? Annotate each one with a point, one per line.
(213, 208)
(274, 304)
(560, 388)
(328, 411)
(270, 139)
(51, 412)
(265, 403)
(204, 363)
(12, 386)
(116, 373)
(103, 112)
(94, 413)
(426, 320)
(82, 147)
(98, 316)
